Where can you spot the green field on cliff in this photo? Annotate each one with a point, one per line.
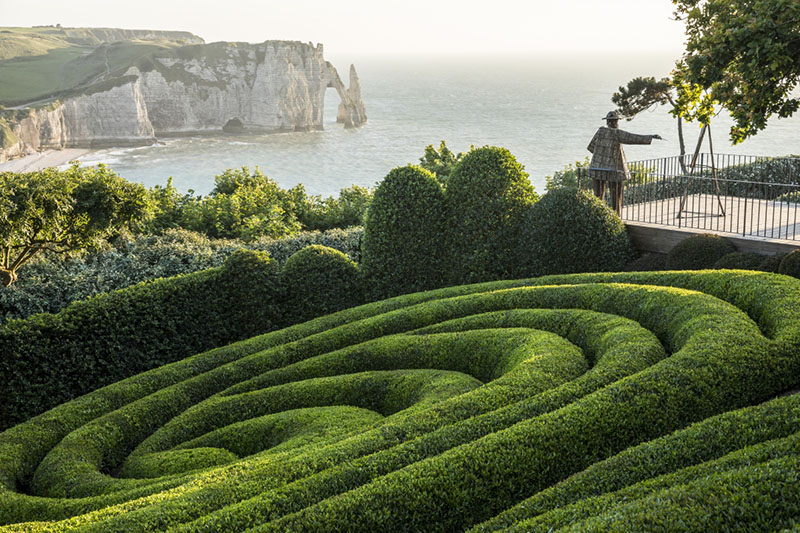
(592, 402)
(40, 63)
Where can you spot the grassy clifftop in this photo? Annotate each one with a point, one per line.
(43, 62)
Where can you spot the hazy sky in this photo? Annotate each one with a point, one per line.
(375, 27)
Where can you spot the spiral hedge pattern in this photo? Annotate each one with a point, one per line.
(641, 401)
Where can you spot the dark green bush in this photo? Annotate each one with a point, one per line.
(647, 261)
(771, 263)
(790, 265)
(698, 252)
(570, 231)
(319, 280)
(740, 260)
(50, 358)
(50, 284)
(404, 248)
(488, 195)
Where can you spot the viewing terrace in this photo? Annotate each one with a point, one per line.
(754, 200)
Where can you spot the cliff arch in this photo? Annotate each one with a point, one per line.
(352, 111)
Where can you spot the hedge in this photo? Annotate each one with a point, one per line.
(488, 195)
(319, 280)
(438, 411)
(405, 248)
(48, 285)
(569, 231)
(698, 252)
(50, 358)
(720, 442)
(740, 260)
(790, 264)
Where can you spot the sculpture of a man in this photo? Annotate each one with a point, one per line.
(608, 165)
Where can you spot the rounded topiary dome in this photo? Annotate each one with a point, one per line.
(404, 248)
(771, 263)
(740, 260)
(319, 280)
(571, 231)
(488, 194)
(698, 252)
(790, 265)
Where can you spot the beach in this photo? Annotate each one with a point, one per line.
(47, 158)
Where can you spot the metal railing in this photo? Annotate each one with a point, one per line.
(744, 195)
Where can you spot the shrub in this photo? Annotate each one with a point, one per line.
(50, 358)
(740, 260)
(790, 265)
(647, 261)
(455, 405)
(488, 195)
(771, 263)
(50, 285)
(320, 280)
(404, 248)
(570, 231)
(698, 252)
(567, 178)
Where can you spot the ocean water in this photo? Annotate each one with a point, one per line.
(544, 110)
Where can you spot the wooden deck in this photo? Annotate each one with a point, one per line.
(766, 219)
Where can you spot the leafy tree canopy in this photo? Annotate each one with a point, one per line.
(440, 162)
(742, 54)
(62, 210)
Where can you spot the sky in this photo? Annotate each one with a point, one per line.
(387, 28)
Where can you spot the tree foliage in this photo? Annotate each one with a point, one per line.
(643, 93)
(441, 162)
(742, 54)
(62, 210)
(250, 206)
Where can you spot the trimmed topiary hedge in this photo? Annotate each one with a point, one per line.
(319, 280)
(498, 403)
(570, 231)
(488, 195)
(50, 358)
(771, 263)
(49, 285)
(698, 252)
(647, 261)
(790, 264)
(740, 260)
(403, 248)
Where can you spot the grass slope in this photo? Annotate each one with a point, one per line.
(639, 401)
(39, 63)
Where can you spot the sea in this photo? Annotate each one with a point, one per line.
(544, 109)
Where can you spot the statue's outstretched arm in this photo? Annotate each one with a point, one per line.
(625, 137)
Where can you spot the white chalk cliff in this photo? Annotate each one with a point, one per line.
(268, 87)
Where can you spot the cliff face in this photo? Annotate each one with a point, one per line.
(268, 87)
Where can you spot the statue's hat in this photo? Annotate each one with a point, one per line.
(612, 115)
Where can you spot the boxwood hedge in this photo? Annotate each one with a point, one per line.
(574, 401)
(50, 358)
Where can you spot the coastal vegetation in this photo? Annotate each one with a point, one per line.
(62, 211)
(514, 403)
